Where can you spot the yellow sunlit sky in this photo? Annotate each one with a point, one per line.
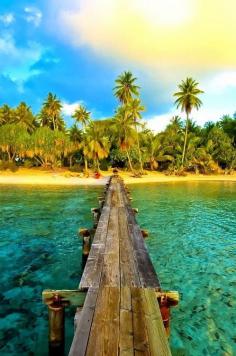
(76, 48)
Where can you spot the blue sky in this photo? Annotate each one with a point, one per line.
(76, 49)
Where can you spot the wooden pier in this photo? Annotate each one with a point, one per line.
(122, 309)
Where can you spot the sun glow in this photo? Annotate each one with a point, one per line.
(166, 12)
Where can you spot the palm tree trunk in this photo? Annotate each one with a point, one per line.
(139, 151)
(129, 160)
(70, 160)
(53, 121)
(85, 165)
(185, 140)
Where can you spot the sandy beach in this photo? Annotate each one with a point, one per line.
(64, 177)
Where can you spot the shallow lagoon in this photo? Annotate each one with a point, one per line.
(192, 243)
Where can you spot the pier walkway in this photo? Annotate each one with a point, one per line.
(121, 314)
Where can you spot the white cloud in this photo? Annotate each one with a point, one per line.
(33, 15)
(16, 62)
(222, 81)
(158, 123)
(7, 19)
(69, 108)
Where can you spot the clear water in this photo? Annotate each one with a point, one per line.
(192, 243)
(39, 249)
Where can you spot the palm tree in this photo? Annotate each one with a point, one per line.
(187, 99)
(125, 87)
(82, 116)
(51, 113)
(124, 128)
(135, 108)
(95, 146)
(6, 115)
(24, 116)
(75, 135)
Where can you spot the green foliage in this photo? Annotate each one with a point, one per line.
(49, 146)
(50, 115)
(187, 100)
(121, 141)
(125, 87)
(14, 140)
(82, 116)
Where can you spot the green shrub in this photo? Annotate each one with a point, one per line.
(28, 163)
(104, 165)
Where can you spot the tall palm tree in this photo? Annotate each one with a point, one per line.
(187, 99)
(135, 108)
(124, 128)
(82, 116)
(51, 113)
(125, 87)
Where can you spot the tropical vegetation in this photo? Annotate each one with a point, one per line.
(123, 141)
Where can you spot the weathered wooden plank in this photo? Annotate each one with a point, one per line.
(157, 338)
(81, 337)
(67, 297)
(141, 345)
(105, 329)
(147, 273)
(111, 266)
(93, 268)
(126, 341)
(128, 268)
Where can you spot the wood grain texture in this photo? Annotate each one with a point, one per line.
(121, 315)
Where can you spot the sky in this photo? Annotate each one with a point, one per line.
(77, 48)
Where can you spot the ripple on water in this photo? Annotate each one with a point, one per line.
(39, 249)
(192, 243)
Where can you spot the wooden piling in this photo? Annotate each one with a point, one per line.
(56, 318)
(86, 236)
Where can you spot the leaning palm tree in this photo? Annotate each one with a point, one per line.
(187, 99)
(135, 108)
(82, 116)
(125, 87)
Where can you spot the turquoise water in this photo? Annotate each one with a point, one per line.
(193, 247)
(39, 249)
(192, 243)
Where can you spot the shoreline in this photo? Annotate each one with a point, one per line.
(26, 176)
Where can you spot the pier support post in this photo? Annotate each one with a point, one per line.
(167, 300)
(145, 233)
(56, 317)
(101, 202)
(86, 236)
(96, 216)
